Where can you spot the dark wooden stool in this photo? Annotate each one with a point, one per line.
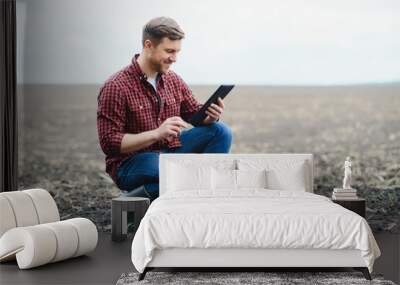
(119, 215)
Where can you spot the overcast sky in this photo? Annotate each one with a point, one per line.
(262, 42)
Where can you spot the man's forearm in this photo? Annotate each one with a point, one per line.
(134, 142)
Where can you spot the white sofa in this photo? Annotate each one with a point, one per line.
(31, 231)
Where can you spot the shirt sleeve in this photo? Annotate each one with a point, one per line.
(189, 104)
(111, 113)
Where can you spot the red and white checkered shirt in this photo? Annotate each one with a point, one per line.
(128, 103)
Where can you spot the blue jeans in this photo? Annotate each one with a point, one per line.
(138, 175)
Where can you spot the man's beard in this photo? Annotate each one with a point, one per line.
(157, 66)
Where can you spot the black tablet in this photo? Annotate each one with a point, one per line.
(198, 118)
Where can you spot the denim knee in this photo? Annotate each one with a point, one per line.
(222, 130)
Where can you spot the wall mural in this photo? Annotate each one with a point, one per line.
(59, 149)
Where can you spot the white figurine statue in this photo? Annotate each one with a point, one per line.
(347, 174)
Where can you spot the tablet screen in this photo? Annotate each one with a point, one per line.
(222, 91)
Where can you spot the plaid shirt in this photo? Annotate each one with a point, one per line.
(128, 103)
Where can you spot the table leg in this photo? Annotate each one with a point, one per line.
(116, 222)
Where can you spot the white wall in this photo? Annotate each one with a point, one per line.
(243, 42)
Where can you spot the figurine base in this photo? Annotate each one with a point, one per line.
(344, 190)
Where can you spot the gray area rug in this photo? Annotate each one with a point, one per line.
(231, 278)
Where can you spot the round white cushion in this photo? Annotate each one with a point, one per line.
(22, 207)
(87, 233)
(7, 220)
(45, 205)
(67, 240)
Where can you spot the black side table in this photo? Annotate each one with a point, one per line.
(119, 215)
(357, 206)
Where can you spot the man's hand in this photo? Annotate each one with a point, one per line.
(171, 127)
(214, 112)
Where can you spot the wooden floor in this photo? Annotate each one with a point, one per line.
(110, 260)
(103, 266)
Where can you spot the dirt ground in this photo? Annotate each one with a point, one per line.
(59, 150)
